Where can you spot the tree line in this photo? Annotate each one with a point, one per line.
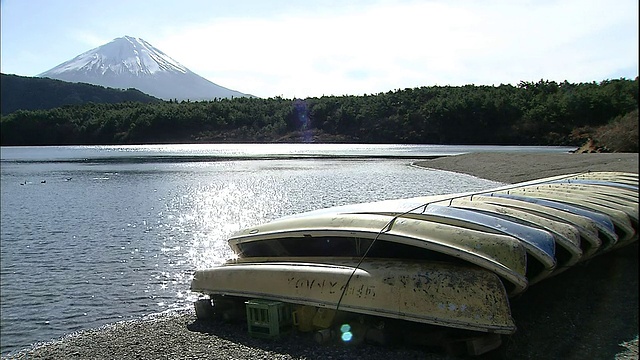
(34, 93)
(530, 113)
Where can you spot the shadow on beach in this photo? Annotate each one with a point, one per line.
(584, 312)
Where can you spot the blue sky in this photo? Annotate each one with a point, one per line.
(315, 48)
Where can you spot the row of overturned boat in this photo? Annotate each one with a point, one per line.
(451, 261)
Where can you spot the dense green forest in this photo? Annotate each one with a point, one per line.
(34, 93)
(531, 113)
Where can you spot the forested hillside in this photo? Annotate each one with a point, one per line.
(34, 93)
(541, 113)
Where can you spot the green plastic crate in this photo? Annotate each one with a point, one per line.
(268, 319)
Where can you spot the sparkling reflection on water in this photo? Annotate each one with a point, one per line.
(90, 243)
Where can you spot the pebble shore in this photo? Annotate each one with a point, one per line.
(179, 335)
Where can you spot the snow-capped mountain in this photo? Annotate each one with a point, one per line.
(129, 62)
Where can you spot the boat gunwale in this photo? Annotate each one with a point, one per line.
(620, 219)
(604, 223)
(604, 200)
(547, 264)
(516, 278)
(586, 227)
(571, 247)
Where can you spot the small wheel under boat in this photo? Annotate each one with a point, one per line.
(204, 309)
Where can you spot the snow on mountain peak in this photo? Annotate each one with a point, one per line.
(129, 62)
(125, 55)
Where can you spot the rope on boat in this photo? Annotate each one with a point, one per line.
(387, 226)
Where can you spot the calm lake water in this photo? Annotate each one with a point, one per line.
(92, 235)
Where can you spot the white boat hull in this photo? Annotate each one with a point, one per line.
(450, 295)
(349, 234)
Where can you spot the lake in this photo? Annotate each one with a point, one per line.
(92, 235)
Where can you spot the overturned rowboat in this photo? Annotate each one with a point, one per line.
(436, 293)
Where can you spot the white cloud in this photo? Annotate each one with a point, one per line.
(368, 47)
(89, 39)
(397, 44)
(373, 49)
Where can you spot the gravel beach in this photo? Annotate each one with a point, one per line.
(590, 311)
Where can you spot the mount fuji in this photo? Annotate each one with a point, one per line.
(129, 62)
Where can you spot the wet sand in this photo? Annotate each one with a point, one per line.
(514, 168)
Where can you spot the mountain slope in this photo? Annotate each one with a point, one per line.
(32, 93)
(129, 62)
